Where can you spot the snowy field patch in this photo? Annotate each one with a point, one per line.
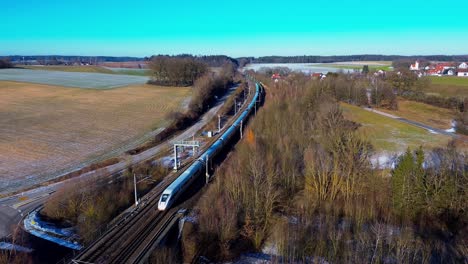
(71, 79)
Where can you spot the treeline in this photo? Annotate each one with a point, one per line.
(361, 91)
(302, 182)
(210, 60)
(5, 63)
(183, 70)
(364, 57)
(19, 58)
(175, 71)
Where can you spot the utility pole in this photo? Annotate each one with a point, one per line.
(134, 184)
(219, 123)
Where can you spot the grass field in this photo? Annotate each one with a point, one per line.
(449, 80)
(427, 114)
(88, 80)
(91, 69)
(45, 129)
(448, 86)
(387, 134)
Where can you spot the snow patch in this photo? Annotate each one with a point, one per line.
(384, 160)
(453, 128)
(11, 247)
(63, 236)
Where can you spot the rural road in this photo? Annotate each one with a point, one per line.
(13, 208)
(414, 123)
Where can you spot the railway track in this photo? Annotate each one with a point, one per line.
(130, 239)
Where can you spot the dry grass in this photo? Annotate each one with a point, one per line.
(387, 134)
(48, 128)
(448, 86)
(427, 114)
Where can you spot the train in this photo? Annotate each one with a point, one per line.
(176, 188)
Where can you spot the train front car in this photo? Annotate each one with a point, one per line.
(165, 200)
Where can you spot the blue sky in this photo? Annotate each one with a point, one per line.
(235, 28)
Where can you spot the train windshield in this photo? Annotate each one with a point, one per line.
(164, 198)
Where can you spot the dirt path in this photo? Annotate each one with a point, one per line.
(414, 123)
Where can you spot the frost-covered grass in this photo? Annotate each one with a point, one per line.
(95, 69)
(71, 79)
(350, 66)
(46, 129)
(387, 134)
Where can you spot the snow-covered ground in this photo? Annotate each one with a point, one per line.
(384, 160)
(13, 247)
(453, 128)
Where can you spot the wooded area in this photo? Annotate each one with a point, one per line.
(175, 71)
(5, 63)
(302, 181)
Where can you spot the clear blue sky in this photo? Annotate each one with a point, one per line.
(235, 28)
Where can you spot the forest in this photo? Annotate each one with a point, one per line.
(301, 184)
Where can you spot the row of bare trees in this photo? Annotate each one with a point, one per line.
(176, 71)
(5, 63)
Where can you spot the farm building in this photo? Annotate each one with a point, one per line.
(463, 65)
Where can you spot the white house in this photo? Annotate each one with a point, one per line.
(464, 65)
(450, 72)
(462, 73)
(415, 66)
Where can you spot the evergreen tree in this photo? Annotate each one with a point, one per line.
(365, 69)
(402, 183)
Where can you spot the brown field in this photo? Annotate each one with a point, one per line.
(46, 129)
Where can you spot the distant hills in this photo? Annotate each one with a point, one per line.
(218, 60)
(327, 59)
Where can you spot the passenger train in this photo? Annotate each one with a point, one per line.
(173, 191)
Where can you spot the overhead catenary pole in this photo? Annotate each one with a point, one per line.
(175, 157)
(134, 184)
(235, 106)
(241, 128)
(206, 166)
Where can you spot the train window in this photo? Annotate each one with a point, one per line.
(164, 198)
